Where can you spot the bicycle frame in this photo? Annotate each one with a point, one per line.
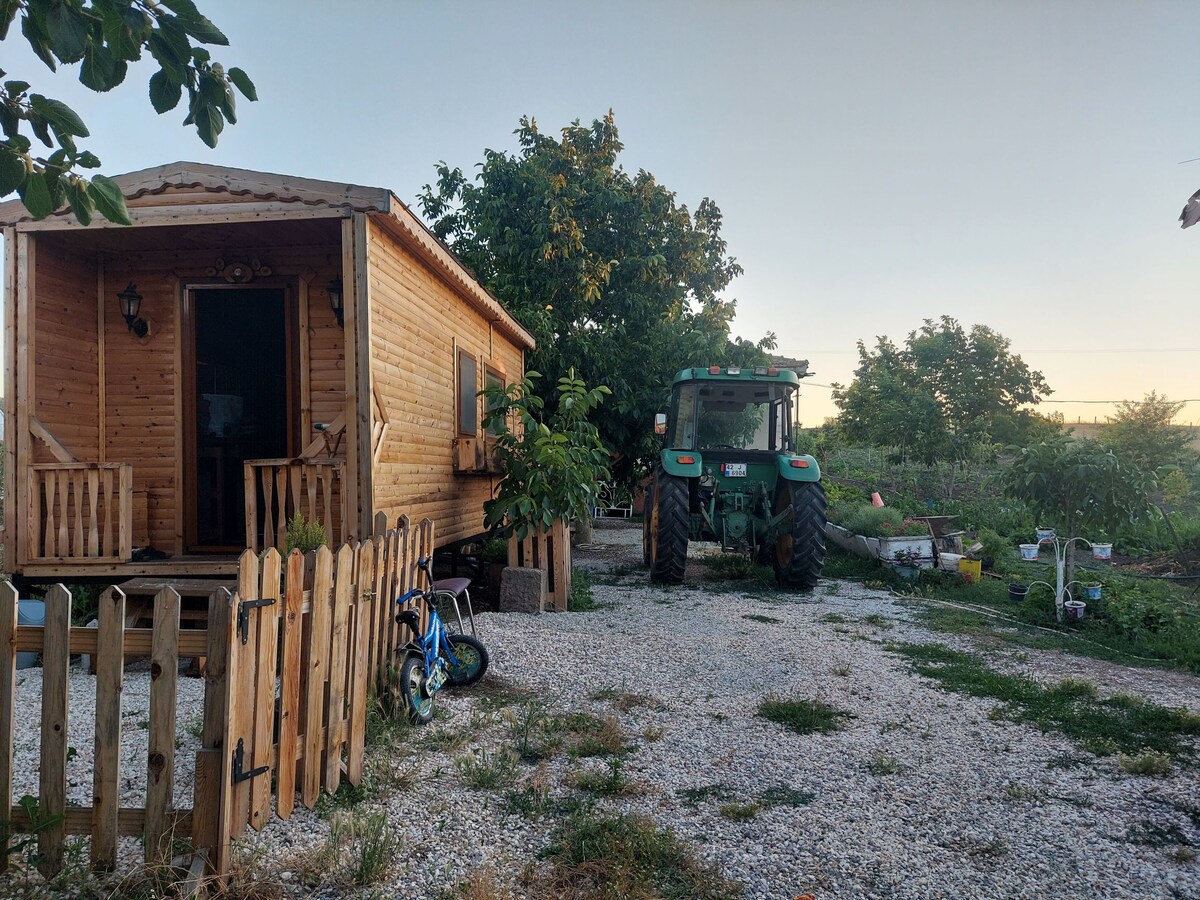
(434, 642)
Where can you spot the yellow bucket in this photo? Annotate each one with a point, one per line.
(970, 569)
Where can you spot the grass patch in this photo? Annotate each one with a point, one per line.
(626, 700)
(600, 855)
(581, 598)
(608, 740)
(1101, 726)
(879, 621)
(834, 619)
(766, 620)
(881, 764)
(485, 772)
(803, 716)
(610, 782)
(782, 795)
(1148, 762)
(694, 796)
(739, 812)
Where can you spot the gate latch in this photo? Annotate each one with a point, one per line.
(243, 618)
(239, 757)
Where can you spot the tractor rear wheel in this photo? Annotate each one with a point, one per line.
(800, 546)
(668, 529)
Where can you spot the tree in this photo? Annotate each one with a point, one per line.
(943, 393)
(550, 464)
(614, 278)
(1143, 433)
(104, 36)
(1080, 488)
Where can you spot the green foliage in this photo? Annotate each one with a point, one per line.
(105, 36)
(304, 536)
(613, 276)
(581, 598)
(1142, 433)
(877, 521)
(1079, 486)
(1176, 487)
(944, 393)
(550, 467)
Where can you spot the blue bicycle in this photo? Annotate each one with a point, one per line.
(437, 658)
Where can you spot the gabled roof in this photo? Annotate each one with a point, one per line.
(280, 194)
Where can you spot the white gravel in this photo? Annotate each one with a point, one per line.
(975, 808)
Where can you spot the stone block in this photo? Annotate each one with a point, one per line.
(523, 590)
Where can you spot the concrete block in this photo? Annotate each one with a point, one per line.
(523, 590)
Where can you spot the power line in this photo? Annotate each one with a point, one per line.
(1044, 401)
(1045, 352)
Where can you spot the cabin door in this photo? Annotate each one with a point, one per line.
(240, 404)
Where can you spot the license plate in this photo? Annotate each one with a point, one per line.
(734, 470)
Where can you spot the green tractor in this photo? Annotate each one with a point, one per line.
(728, 474)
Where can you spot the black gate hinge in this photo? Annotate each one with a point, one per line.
(239, 756)
(243, 618)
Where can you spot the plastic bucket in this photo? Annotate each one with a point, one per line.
(1029, 552)
(1074, 609)
(30, 612)
(970, 569)
(949, 561)
(1044, 534)
(1017, 592)
(1101, 551)
(1092, 591)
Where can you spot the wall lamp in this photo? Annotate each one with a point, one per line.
(335, 300)
(130, 302)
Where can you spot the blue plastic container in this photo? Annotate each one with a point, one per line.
(30, 612)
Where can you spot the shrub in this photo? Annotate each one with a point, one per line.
(305, 536)
(878, 521)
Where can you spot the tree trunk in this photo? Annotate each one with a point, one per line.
(1070, 576)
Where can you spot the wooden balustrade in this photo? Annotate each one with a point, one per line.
(277, 489)
(80, 512)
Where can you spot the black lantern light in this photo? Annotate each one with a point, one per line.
(130, 302)
(335, 300)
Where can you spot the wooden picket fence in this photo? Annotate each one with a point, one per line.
(549, 550)
(292, 660)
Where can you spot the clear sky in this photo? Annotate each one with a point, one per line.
(1008, 163)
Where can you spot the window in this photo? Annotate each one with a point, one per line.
(468, 388)
(493, 378)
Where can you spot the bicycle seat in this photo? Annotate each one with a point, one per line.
(455, 586)
(410, 618)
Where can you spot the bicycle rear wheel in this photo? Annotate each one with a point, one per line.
(472, 659)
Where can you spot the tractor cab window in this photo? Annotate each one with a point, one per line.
(745, 416)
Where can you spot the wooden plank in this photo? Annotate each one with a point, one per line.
(13, 525)
(245, 689)
(52, 791)
(353, 350)
(222, 628)
(358, 518)
(131, 822)
(362, 615)
(42, 433)
(338, 658)
(9, 600)
(125, 505)
(289, 693)
(101, 374)
(316, 675)
(206, 803)
(215, 734)
(160, 759)
(106, 775)
(264, 709)
(24, 390)
(250, 497)
(138, 641)
(93, 481)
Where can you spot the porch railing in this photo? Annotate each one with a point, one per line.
(277, 489)
(80, 512)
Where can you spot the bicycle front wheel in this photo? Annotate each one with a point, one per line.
(415, 690)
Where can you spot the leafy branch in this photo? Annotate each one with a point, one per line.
(104, 36)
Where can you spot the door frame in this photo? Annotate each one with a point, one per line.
(292, 345)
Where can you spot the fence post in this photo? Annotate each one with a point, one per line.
(56, 659)
(289, 693)
(160, 756)
(106, 777)
(335, 713)
(264, 706)
(9, 599)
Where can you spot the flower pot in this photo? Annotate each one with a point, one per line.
(1017, 592)
(1092, 591)
(1101, 551)
(920, 547)
(948, 562)
(1029, 552)
(1075, 610)
(1044, 534)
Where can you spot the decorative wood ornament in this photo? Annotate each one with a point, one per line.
(239, 272)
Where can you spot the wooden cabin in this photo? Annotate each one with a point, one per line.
(297, 346)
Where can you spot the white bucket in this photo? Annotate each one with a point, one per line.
(1101, 551)
(1029, 552)
(949, 561)
(1044, 534)
(1074, 609)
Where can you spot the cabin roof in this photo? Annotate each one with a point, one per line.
(222, 184)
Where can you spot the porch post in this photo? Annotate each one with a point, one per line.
(12, 508)
(23, 388)
(358, 491)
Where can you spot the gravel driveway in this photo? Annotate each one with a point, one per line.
(918, 795)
